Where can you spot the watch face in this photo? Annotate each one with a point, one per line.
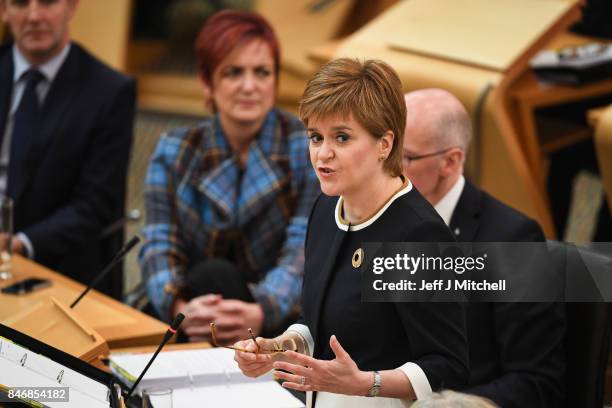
(375, 390)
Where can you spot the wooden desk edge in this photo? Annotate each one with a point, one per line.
(149, 330)
(169, 347)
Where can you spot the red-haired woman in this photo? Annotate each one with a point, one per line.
(227, 202)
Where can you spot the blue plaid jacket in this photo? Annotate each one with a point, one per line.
(193, 199)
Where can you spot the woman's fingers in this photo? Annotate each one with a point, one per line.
(294, 378)
(252, 357)
(301, 359)
(295, 382)
(298, 387)
(339, 352)
(251, 363)
(249, 367)
(293, 368)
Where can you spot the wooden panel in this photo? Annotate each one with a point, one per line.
(486, 33)
(465, 40)
(505, 171)
(455, 31)
(103, 27)
(529, 90)
(57, 325)
(594, 115)
(302, 24)
(118, 324)
(501, 161)
(603, 147)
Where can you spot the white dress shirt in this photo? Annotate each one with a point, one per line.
(49, 71)
(446, 206)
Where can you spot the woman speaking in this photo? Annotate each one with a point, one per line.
(347, 350)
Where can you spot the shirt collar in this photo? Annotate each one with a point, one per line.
(49, 69)
(446, 206)
(344, 226)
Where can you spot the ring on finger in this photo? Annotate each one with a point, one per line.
(303, 380)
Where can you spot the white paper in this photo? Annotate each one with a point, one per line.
(184, 368)
(20, 367)
(252, 395)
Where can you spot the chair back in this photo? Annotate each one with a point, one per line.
(588, 330)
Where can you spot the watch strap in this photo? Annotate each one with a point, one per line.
(375, 390)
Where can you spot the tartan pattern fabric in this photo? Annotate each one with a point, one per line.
(198, 206)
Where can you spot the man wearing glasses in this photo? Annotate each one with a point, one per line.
(516, 350)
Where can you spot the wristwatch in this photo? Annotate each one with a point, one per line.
(375, 390)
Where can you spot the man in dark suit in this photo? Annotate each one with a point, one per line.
(516, 349)
(66, 130)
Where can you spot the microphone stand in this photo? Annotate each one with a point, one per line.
(171, 331)
(120, 255)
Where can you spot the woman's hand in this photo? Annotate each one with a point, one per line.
(232, 318)
(235, 317)
(340, 376)
(199, 313)
(251, 364)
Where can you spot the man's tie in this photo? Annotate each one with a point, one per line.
(26, 124)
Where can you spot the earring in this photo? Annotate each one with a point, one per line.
(382, 158)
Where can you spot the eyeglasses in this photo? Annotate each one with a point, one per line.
(276, 350)
(410, 158)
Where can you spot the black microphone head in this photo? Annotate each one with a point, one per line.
(177, 321)
(132, 242)
(127, 247)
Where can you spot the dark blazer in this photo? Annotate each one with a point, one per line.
(70, 182)
(380, 335)
(516, 349)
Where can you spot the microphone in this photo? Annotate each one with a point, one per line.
(171, 330)
(116, 259)
(131, 216)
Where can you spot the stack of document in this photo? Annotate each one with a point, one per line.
(210, 376)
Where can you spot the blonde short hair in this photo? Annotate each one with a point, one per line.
(370, 91)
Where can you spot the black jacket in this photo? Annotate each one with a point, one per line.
(516, 349)
(380, 335)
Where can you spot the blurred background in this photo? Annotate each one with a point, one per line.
(542, 137)
(541, 146)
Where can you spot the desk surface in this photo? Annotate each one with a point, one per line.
(119, 324)
(167, 347)
(471, 32)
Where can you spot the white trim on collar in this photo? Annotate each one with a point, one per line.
(371, 220)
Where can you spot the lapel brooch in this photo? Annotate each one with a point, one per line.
(357, 258)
